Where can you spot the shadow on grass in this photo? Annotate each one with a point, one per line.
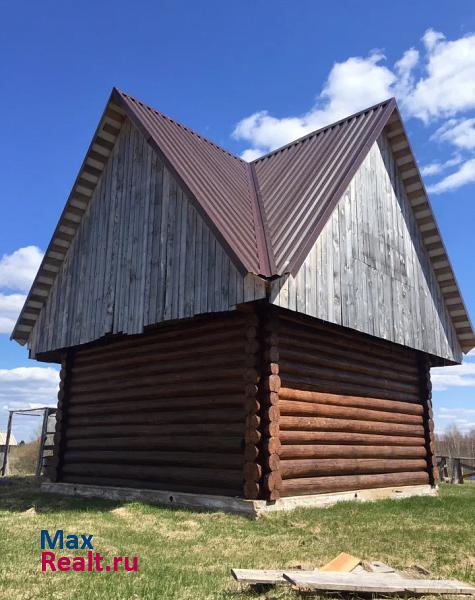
(18, 494)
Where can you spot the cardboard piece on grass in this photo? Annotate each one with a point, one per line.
(343, 563)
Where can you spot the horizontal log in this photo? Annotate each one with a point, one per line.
(342, 437)
(252, 436)
(251, 452)
(409, 408)
(251, 490)
(164, 474)
(323, 358)
(335, 347)
(324, 485)
(154, 485)
(180, 333)
(295, 408)
(156, 457)
(171, 443)
(160, 379)
(349, 452)
(177, 390)
(342, 466)
(295, 328)
(273, 462)
(311, 374)
(155, 405)
(252, 471)
(154, 365)
(196, 429)
(229, 341)
(172, 416)
(332, 386)
(272, 445)
(273, 481)
(327, 424)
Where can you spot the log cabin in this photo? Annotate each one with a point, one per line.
(256, 330)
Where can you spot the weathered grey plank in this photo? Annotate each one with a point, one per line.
(372, 272)
(142, 254)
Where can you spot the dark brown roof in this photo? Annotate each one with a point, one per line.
(219, 181)
(301, 183)
(267, 213)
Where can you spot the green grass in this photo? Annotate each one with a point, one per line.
(187, 555)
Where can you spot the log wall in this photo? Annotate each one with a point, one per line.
(163, 410)
(256, 403)
(354, 411)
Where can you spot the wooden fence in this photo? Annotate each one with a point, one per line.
(454, 469)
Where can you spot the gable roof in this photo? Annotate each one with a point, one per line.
(267, 213)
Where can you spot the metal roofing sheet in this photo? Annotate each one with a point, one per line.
(301, 183)
(219, 181)
(267, 213)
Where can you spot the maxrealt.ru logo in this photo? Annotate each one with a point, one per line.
(90, 561)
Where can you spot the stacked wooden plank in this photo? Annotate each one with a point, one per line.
(351, 414)
(163, 410)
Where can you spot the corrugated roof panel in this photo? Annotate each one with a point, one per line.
(301, 183)
(218, 181)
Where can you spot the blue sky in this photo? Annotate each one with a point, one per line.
(250, 75)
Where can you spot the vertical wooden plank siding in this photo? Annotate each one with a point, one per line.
(369, 270)
(141, 255)
(165, 409)
(353, 412)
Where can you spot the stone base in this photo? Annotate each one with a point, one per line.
(249, 508)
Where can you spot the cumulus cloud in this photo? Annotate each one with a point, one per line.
(436, 168)
(463, 418)
(351, 86)
(26, 387)
(458, 132)
(10, 306)
(464, 175)
(447, 85)
(457, 376)
(17, 271)
(433, 85)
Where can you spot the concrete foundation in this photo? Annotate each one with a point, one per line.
(249, 508)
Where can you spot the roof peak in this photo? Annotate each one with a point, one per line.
(315, 132)
(177, 123)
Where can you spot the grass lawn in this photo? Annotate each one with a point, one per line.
(187, 555)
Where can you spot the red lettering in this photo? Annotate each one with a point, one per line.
(78, 563)
(117, 560)
(64, 563)
(97, 559)
(135, 564)
(47, 558)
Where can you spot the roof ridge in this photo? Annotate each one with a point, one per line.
(263, 242)
(323, 129)
(185, 127)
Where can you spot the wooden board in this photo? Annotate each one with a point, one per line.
(343, 563)
(369, 270)
(375, 583)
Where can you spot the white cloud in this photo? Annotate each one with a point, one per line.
(448, 84)
(10, 306)
(433, 84)
(457, 376)
(351, 86)
(466, 174)
(26, 387)
(460, 133)
(17, 270)
(463, 418)
(438, 167)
